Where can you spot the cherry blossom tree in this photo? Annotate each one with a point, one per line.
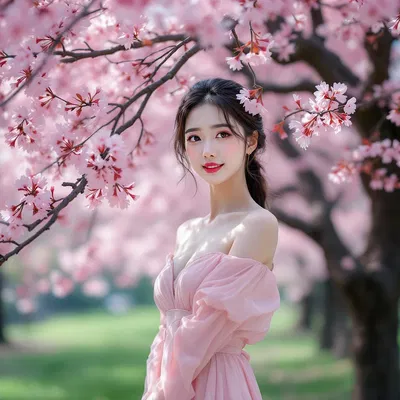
(87, 86)
(310, 204)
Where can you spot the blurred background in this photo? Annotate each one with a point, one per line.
(77, 314)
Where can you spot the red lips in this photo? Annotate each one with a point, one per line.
(211, 168)
(211, 164)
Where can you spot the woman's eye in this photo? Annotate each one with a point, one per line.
(188, 139)
(219, 133)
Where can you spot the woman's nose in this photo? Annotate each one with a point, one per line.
(208, 150)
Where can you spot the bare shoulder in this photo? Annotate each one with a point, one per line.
(183, 230)
(262, 219)
(187, 225)
(262, 226)
(257, 237)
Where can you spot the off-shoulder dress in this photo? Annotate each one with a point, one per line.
(216, 305)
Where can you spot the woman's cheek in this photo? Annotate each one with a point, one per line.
(231, 149)
(190, 152)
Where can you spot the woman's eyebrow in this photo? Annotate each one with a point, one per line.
(212, 126)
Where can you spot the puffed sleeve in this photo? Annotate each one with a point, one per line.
(153, 364)
(238, 294)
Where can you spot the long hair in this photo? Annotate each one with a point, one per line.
(222, 94)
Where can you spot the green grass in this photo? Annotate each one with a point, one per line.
(102, 357)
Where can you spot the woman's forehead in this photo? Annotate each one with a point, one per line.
(205, 116)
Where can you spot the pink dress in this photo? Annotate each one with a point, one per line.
(217, 304)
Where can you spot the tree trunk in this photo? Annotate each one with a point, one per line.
(373, 296)
(304, 324)
(326, 337)
(376, 355)
(341, 347)
(335, 332)
(2, 312)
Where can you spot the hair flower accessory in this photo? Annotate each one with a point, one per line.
(252, 100)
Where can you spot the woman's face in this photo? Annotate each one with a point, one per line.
(209, 139)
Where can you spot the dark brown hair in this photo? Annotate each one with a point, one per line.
(222, 94)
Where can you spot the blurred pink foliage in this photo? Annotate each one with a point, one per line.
(87, 91)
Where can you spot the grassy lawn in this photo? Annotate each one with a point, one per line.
(102, 357)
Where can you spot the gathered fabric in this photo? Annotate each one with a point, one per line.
(217, 305)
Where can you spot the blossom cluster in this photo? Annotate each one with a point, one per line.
(25, 131)
(364, 159)
(252, 100)
(258, 51)
(105, 164)
(394, 114)
(343, 171)
(329, 109)
(35, 202)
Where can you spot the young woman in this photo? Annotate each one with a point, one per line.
(217, 291)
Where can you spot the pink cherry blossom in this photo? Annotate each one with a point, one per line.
(301, 132)
(395, 25)
(391, 183)
(234, 63)
(322, 92)
(297, 100)
(394, 114)
(252, 100)
(243, 95)
(343, 171)
(337, 92)
(350, 106)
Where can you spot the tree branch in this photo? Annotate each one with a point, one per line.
(324, 233)
(5, 5)
(327, 63)
(64, 203)
(284, 190)
(75, 56)
(378, 48)
(317, 19)
(313, 52)
(149, 90)
(303, 85)
(370, 117)
(294, 222)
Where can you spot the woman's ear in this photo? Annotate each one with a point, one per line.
(252, 142)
